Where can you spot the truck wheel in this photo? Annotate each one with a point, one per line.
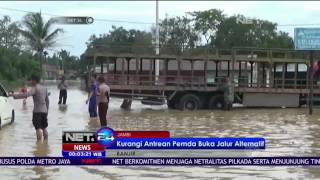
(0, 123)
(189, 102)
(216, 102)
(12, 117)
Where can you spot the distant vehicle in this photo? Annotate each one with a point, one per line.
(6, 109)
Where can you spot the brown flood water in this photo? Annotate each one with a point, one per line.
(288, 132)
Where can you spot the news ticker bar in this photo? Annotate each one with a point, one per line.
(171, 143)
(156, 161)
(85, 144)
(81, 144)
(179, 153)
(157, 153)
(189, 143)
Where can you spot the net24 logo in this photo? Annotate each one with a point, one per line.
(106, 136)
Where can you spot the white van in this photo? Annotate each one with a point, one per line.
(6, 109)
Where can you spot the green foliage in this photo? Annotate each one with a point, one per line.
(16, 65)
(64, 60)
(259, 33)
(176, 34)
(120, 40)
(37, 32)
(9, 35)
(207, 23)
(194, 34)
(67, 61)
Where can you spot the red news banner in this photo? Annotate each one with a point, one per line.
(119, 134)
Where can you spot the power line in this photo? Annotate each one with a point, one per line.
(96, 19)
(133, 22)
(139, 22)
(18, 10)
(290, 25)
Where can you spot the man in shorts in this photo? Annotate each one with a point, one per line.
(41, 106)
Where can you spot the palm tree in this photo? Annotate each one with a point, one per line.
(38, 33)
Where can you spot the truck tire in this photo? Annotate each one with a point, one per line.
(12, 116)
(0, 123)
(189, 102)
(216, 102)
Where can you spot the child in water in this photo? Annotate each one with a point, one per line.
(24, 90)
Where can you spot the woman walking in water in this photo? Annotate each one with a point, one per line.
(92, 97)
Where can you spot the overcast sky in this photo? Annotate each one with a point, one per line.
(75, 36)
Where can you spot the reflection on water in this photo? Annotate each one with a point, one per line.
(93, 124)
(63, 108)
(41, 149)
(24, 107)
(288, 132)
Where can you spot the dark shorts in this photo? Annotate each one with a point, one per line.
(40, 120)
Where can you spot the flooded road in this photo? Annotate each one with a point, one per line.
(288, 132)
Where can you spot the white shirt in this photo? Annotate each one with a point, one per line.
(103, 88)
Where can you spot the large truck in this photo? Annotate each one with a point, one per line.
(259, 77)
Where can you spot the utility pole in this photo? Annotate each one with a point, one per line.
(61, 65)
(157, 43)
(311, 83)
(45, 75)
(40, 63)
(166, 27)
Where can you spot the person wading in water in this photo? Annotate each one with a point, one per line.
(228, 94)
(103, 100)
(41, 105)
(92, 97)
(63, 91)
(24, 90)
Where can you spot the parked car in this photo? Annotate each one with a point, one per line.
(6, 109)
